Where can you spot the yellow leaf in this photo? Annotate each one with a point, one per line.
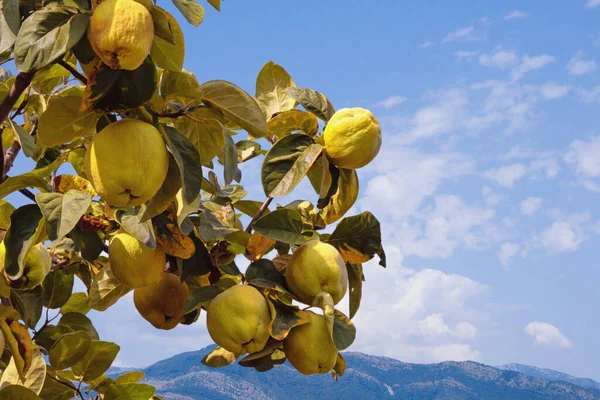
(258, 246)
(205, 131)
(63, 121)
(271, 83)
(64, 183)
(292, 121)
(170, 237)
(343, 199)
(6, 209)
(166, 55)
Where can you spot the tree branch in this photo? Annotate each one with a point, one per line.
(67, 385)
(73, 71)
(259, 213)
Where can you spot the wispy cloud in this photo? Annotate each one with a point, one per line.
(529, 64)
(465, 54)
(390, 102)
(516, 14)
(546, 334)
(531, 205)
(506, 176)
(501, 59)
(578, 65)
(592, 3)
(426, 44)
(507, 252)
(460, 35)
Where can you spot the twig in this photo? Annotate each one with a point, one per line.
(67, 385)
(5, 61)
(259, 213)
(179, 113)
(73, 71)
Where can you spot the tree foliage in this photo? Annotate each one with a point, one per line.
(199, 219)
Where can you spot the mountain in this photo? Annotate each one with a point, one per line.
(551, 375)
(183, 377)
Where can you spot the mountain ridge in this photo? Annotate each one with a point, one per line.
(183, 377)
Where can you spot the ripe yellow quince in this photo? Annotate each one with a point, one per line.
(310, 348)
(316, 267)
(121, 33)
(36, 265)
(238, 320)
(352, 138)
(134, 264)
(161, 304)
(127, 162)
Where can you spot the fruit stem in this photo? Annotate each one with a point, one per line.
(259, 213)
(324, 301)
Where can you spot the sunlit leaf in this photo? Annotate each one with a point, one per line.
(271, 85)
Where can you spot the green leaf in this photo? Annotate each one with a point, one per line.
(284, 318)
(271, 85)
(6, 209)
(287, 163)
(343, 198)
(47, 336)
(10, 22)
(165, 54)
(18, 392)
(230, 166)
(110, 89)
(16, 183)
(57, 391)
(57, 287)
(129, 219)
(265, 269)
(249, 207)
(130, 377)
(34, 378)
(47, 35)
(162, 25)
(218, 358)
(237, 106)
(358, 239)
(344, 331)
(28, 304)
(200, 296)
(182, 87)
(199, 263)
(290, 121)
(25, 139)
(105, 290)
(166, 194)
(89, 242)
(264, 360)
(216, 221)
(26, 227)
(129, 391)
(284, 225)
(45, 81)
(188, 160)
(78, 303)
(98, 359)
(63, 122)
(69, 349)
(62, 211)
(191, 10)
(355, 279)
(204, 131)
(247, 150)
(313, 102)
(75, 322)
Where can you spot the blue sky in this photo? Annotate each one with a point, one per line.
(487, 184)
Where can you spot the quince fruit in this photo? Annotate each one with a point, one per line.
(121, 33)
(161, 304)
(310, 348)
(127, 162)
(133, 263)
(36, 265)
(352, 138)
(316, 267)
(238, 320)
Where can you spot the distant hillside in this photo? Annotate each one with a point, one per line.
(183, 377)
(551, 375)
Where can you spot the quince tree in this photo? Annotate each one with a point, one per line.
(149, 199)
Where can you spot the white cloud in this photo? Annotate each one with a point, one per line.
(553, 90)
(507, 175)
(516, 14)
(566, 233)
(465, 54)
(529, 64)
(390, 102)
(578, 65)
(589, 95)
(592, 3)
(585, 156)
(546, 334)
(462, 35)
(500, 59)
(465, 330)
(434, 326)
(424, 45)
(507, 252)
(531, 205)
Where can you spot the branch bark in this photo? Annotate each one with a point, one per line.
(73, 71)
(259, 213)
